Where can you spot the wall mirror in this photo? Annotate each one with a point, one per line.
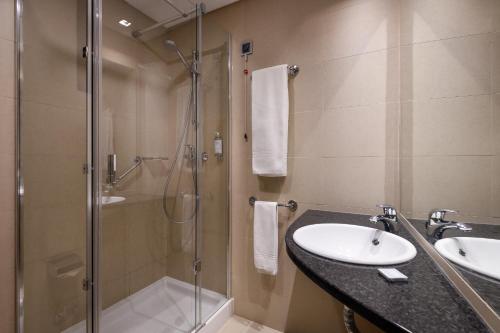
(450, 145)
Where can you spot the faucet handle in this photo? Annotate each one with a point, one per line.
(463, 227)
(438, 215)
(388, 209)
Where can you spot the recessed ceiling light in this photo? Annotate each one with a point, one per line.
(125, 23)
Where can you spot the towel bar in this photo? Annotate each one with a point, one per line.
(293, 70)
(291, 204)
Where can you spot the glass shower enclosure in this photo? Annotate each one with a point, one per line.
(123, 174)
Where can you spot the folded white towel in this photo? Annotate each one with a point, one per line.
(265, 237)
(270, 121)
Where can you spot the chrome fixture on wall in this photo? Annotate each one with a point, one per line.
(171, 45)
(293, 70)
(389, 218)
(291, 204)
(112, 178)
(436, 225)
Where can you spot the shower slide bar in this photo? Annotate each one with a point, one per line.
(291, 204)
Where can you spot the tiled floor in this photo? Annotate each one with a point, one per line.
(237, 324)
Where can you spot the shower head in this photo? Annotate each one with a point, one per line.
(170, 44)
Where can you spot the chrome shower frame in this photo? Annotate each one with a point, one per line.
(92, 52)
(19, 281)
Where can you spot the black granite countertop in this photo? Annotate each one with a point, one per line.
(488, 288)
(426, 303)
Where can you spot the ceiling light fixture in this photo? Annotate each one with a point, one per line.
(125, 23)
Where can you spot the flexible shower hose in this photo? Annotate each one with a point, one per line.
(187, 118)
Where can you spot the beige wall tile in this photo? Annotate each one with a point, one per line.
(363, 27)
(303, 21)
(450, 126)
(7, 296)
(7, 241)
(114, 291)
(7, 68)
(50, 233)
(495, 190)
(307, 89)
(353, 183)
(7, 19)
(62, 178)
(432, 20)
(304, 134)
(354, 131)
(346, 82)
(53, 131)
(301, 184)
(455, 182)
(448, 68)
(496, 123)
(7, 126)
(113, 244)
(495, 74)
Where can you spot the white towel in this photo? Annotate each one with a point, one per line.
(270, 121)
(265, 237)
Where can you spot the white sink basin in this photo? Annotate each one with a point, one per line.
(354, 244)
(107, 200)
(477, 254)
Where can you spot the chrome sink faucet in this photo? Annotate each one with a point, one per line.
(436, 225)
(389, 218)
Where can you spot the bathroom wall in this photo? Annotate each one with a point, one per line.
(7, 139)
(450, 111)
(343, 136)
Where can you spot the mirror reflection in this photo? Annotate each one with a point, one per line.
(449, 143)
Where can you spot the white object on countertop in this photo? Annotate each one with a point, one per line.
(265, 237)
(392, 275)
(270, 121)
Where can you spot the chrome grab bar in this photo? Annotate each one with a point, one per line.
(154, 158)
(137, 162)
(291, 204)
(114, 179)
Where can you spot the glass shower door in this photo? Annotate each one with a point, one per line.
(148, 170)
(53, 142)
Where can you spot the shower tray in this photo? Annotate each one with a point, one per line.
(164, 306)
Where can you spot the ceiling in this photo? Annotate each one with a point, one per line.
(160, 10)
